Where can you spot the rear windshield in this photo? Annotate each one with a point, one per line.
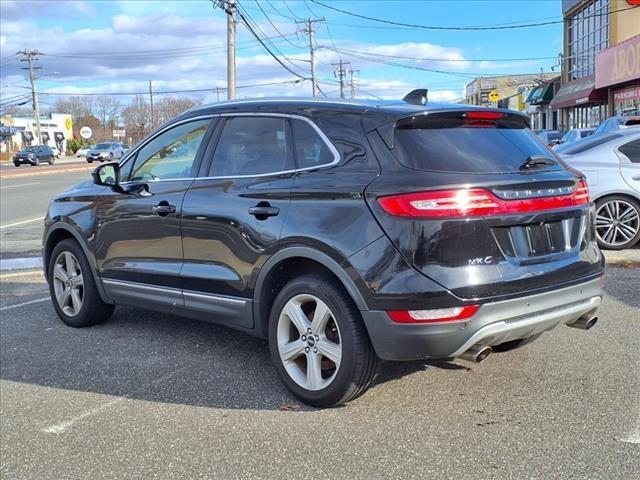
(442, 144)
(587, 143)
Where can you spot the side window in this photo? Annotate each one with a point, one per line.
(311, 149)
(631, 150)
(171, 154)
(252, 146)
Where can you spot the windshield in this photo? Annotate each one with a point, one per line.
(587, 143)
(102, 146)
(30, 149)
(446, 145)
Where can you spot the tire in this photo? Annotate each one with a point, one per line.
(51, 160)
(89, 161)
(334, 383)
(84, 307)
(17, 164)
(617, 222)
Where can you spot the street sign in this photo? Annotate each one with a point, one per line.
(86, 132)
(119, 133)
(494, 96)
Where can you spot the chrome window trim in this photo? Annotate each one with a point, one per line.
(325, 139)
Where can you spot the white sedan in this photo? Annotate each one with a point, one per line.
(82, 152)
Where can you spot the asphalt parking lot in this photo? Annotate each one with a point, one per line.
(148, 395)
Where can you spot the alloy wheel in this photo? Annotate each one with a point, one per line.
(617, 222)
(68, 283)
(309, 342)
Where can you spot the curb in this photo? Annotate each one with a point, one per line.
(79, 168)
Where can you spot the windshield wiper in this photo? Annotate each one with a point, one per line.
(537, 161)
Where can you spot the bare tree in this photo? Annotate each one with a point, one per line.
(137, 117)
(169, 107)
(106, 109)
(76, 106)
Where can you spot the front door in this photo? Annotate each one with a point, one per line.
(138, 242)
(233, 215)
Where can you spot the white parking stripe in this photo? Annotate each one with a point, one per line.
(21, 223)
(11, 307)
(20, 185)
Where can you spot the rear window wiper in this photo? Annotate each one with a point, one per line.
(537, 161)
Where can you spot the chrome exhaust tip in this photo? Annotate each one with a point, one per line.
(585, 322)
(477, 353)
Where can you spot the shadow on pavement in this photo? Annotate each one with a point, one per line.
(153, 357)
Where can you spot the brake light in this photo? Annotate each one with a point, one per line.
(483, 115)
(436, 315)
(475, 202)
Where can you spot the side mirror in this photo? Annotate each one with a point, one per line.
(107, 175)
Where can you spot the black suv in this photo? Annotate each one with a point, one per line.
(33, 155)
(344, 232)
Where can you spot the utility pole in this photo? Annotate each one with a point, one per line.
(153, 120)
(340, 73)
(352, 83)
(229, 8)
(218, 94)
(309, 31)
(30, 56)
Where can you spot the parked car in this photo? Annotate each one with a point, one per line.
(611, 163)
(105, 151)
(56, 152)
(343, 232)
(574, 135)
(33, 155)
(83, 151)
(617, 122)
(126, 147)
(550, 137)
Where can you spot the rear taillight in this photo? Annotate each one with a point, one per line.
(436, 315)
(475, 202)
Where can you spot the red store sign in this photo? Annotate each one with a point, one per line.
(631, 93)
(619, 64)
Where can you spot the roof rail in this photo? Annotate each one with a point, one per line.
(417, 97)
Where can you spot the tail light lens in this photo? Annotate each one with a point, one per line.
(436, 315)
(475, 202)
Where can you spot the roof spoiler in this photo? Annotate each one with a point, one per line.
(417, 97)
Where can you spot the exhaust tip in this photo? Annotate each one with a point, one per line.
(591, 322)
(477, 353)
(585, 322)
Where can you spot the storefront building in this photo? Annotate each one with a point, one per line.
(512, 90)
(618, 71)
(593, 31)
(55, 130)
(538, 105)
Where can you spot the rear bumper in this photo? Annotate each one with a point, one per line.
(494, 323)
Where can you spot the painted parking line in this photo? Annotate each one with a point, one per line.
(24, 222)
(27, 263)
(24, 304)
(20, 185)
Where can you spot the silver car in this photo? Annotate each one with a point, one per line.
(611, 163)
(105, 151)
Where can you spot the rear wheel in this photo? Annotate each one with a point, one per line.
(318, 342)
(73, 290)
(51, 160)
(617, 222)
(17, 164)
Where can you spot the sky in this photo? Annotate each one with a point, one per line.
(118, 46)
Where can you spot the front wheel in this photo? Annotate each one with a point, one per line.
(617, 222)
(17, 164)
(73, 290)
(318, 342)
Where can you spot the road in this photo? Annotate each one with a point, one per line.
(148, 395)
(23, 203)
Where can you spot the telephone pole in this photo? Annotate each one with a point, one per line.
(309, 31)
(153, 120)
(340, 73)
(29, 56)
(229, 7)
(352, 83)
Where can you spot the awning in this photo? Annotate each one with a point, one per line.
(538, 95)
(578, 92)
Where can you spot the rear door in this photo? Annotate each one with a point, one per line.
(478, 204)
(629, 153)
(138, 243)
(233, 215)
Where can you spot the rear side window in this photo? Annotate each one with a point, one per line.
(453, 145)
(252, 146)
(631, 150)
(311, 149)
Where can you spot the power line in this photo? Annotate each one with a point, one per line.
(276, 28)
(469, 28)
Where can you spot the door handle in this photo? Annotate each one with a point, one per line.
(262, 212)
(636, 177)
(163, 209)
